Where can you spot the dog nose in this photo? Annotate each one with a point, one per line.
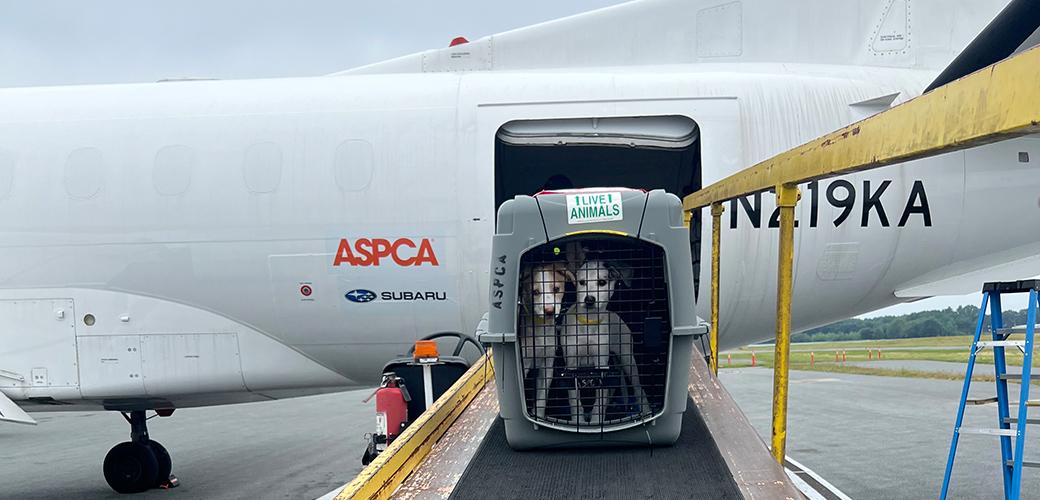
(550, 310)
(590, 300)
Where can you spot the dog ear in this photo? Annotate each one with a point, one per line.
(575, 256)
(620, 272)
(567, 275)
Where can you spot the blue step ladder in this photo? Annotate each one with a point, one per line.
(1010, 458)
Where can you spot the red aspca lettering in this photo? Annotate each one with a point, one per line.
(368, 252)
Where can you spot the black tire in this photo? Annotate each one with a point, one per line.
(131, 467)
(165, 463)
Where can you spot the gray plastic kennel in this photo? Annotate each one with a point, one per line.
(592, 317)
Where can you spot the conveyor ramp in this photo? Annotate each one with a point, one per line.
(718, 455)
(693, 464)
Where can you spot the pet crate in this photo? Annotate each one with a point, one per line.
(592, 317)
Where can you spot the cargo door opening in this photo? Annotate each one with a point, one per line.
(647, 152)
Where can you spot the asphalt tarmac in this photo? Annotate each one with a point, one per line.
(872, 437)
(884, 437)
(293, 448)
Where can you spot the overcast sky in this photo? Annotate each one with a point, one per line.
(50, 42)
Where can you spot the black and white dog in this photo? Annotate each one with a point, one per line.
(590, 334)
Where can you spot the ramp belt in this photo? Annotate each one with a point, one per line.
(692, 468)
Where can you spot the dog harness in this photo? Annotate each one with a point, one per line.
(542, 320)
(587, 320)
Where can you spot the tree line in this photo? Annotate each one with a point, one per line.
(937, 323)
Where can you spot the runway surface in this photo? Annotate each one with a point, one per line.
(293, 448)
(883, 437)
(873, 437)
(933, 366)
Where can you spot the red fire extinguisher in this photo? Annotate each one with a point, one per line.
(391, 414)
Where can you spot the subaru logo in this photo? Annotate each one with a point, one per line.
(361, 296)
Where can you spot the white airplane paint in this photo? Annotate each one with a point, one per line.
(197, 243)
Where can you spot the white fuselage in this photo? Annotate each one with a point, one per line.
(214, 232)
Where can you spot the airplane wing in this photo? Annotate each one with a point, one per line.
(10, 412)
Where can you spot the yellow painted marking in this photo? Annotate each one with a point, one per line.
(603, 231)
(999, 102)
(393, 465)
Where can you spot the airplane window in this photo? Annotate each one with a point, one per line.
(84, 173)
(262, 167)
(171, 173)
(7, 161)
(352, 165)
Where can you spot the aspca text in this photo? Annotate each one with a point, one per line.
(403, 252)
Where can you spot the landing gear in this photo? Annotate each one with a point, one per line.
(131, 467)
(164, 478)
(139, 464)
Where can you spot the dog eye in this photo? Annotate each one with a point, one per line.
(581, 282)
(602, 282)
(536, 292)
(556, 289)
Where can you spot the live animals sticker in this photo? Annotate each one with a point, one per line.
(594, 207)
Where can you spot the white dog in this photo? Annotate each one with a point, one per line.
(542, 298)
(590, 333)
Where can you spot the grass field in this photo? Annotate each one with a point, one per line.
(828, 356)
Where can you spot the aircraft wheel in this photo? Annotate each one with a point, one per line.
(131, 467)
(162, 457)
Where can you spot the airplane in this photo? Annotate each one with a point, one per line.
(191, 243)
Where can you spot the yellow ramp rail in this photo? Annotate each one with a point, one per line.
(382, 477)
(995, 103)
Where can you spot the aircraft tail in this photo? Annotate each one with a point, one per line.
(1012, 31)
(921, 34)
